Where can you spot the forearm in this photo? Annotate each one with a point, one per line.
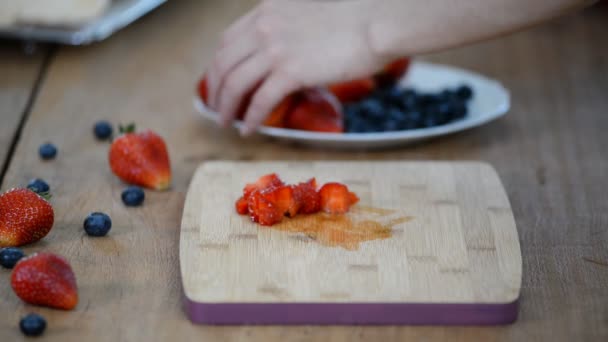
(410, 27)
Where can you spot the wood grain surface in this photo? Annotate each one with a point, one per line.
(19, 74)
(550, 152)
(455, 240)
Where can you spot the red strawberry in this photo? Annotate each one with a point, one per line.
(354, 90)
(336, 198)
(202, 89)
(393, 72)
(45, 279)
(262, 211)
(241, 206)
(282, 197)
(317, 110)
(25, 217)
(266, 181)
(279, 113)
(141, 159)
(309, 200)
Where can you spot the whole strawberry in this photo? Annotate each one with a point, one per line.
(45, 279)
(25, 217)
(141, 159)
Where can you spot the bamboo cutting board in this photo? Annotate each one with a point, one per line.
(429, 243)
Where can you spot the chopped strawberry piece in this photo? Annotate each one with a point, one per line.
(266, 181)
(202, 89)
(282, 197)
(336, 198)
(393, 72)
(354, 90)
(263, 211)
(279, 113)
(241, 206)
(309, 200)
(316, 110)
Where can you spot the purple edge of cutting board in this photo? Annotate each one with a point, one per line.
(351, 313)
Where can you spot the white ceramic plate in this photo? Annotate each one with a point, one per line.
(490, 101)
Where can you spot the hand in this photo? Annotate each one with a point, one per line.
(283, 46)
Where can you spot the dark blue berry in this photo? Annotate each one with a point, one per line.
(38, 186)
(429, 121)
(464, 92)
(103, 130)
(97, 224)
(372, 108)
(133, 196)
(32, 325)
(428, 99)
(408, 99)
(9, 256)
(352, 110)
(459, 110)
(391, 125)
(47, 151)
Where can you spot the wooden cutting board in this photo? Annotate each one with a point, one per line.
(429, 243)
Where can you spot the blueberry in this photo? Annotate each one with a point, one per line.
(133, 196)
(429, 121)
(357, 125)
(47, 151)
(408, 123)
(446, 96)
(38, 186)
(372, 108)
(9, 256)
(464, 92)
(97, 224)
(428, 99)
(393, 95)
(458, 109)
(103, 130)
(408, 99)
(391, 125)
(352, 110)
(32, 325)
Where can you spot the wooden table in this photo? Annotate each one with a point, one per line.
(551, 152)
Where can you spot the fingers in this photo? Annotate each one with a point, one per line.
(239, 27)
(226, 59)
(238, 83)
(238, 42)
(271, 92)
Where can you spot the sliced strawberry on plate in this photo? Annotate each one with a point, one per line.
(393, 72)
(266, 181)
(336, 198)
(45, 279)
(354, 90)
(202, 89)
(317, 110)
(309, 200)
(279, 113)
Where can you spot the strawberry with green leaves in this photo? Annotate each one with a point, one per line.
(25, 217)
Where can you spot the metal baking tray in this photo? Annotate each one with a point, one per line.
(120, 14)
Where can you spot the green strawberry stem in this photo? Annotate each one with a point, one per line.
(46, 195)
(130, 128)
